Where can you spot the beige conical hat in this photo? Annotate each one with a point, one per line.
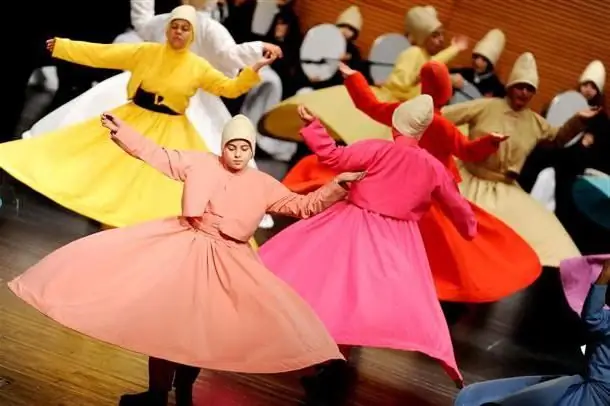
(413, 117)
(596, 73)
(421, 22)
(184, 12)
(525, 71)
(491, 46)
(239, 128)
(352, 17)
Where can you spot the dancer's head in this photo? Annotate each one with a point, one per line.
(238, 143)
(487, 51)
(181, 27)
(592, 82)
(425, 29)
(436, 82)
(523, 81)
(413, 117)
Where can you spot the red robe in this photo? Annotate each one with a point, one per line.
(498, 262)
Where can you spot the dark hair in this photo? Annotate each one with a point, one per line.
(354, 31)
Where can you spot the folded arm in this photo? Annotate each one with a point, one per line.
(594, 315)
(454, 205)
(213, 81)
(355, 157)
(142, 12)
(365, 100)
(172, 163)
(283, 201)
(103, 56)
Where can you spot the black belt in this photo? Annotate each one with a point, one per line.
(149, 101)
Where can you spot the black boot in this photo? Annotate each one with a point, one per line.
(144, 399)
(183, 383)
(330, 384)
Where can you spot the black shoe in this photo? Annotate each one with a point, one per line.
(144, 399)
(330, 384)
(184, 395)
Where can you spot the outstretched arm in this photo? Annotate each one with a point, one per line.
(355, 157)
(283, 201)
(103, 56)
(465, 149)
(365, 100)
(172, 163)
(454, 205)
(213, 81)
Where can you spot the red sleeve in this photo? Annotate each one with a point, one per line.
(365, 100)
(470, 151)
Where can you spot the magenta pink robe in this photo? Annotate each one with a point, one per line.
(361, 264)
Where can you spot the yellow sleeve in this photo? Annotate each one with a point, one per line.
(403, 81)
(466, 112)
(213, 81)
(104, 56)
(447, 54)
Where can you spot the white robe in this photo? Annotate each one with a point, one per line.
(206, 112)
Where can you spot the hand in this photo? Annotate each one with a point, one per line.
(305, 114)
(457, 81)
(347, 177)
(272, 50)
(51, 45)
(461, 42)
(587, 140)
(346, 57)
(499, 138)
(604, 277)
(111, 122)
(345, 70)
(589, 113)
(266, 60)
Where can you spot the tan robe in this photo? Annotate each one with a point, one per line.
(491, 183)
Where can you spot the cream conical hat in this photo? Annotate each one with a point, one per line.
(491, 46)
(524, 70)
(352, 17)
(239, 128)
(413, 117)
(596, 73)
(421, 22)
(184, 12)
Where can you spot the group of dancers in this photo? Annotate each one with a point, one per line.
(381, 241)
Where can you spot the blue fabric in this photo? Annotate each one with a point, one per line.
(592, 197)
(592, 389)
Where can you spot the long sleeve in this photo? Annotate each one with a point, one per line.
(446, 55)
(355, 157)
(215, 43)
(594, 315)
(142, 12)
(559, 136)
(214, 82)
(103, 56)
(283, 201)
(467, 150)
(172, 163)
(364, 99)
(454, 205)
(466, 112)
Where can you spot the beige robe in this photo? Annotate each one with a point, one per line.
(491, 184)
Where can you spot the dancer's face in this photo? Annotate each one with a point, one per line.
(236, 154)
(179, 34)
(520, 95)
(588, 90)
(435, 42)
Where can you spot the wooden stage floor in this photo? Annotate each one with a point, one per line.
(44, 364)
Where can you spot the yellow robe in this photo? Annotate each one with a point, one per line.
(490, 184)
(337, 112)
(79, 166)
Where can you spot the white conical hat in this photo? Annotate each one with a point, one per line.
(525, 71)
(352, 17)
(184, 12)
(491, 46)
(596, 73)
(421, 22)
(413, 117)
(239, 128)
